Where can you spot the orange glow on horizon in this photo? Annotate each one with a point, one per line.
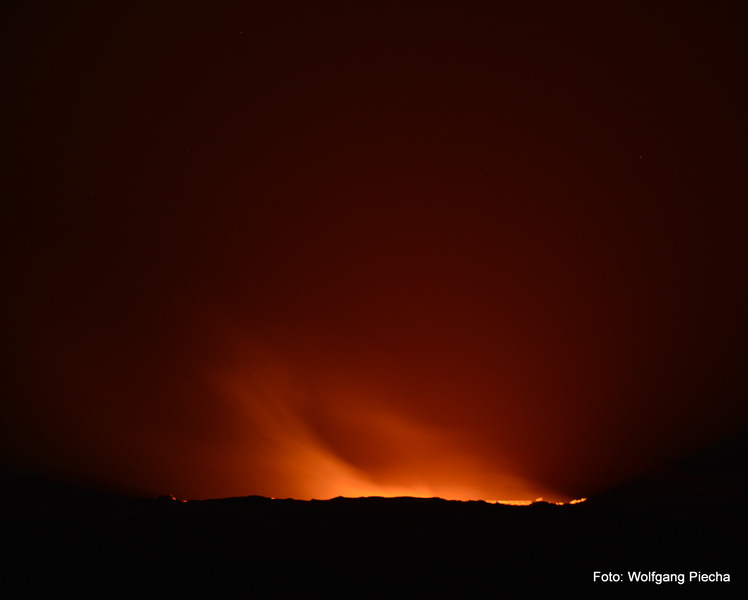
(503, 502)
(529, 502)
(292, 445)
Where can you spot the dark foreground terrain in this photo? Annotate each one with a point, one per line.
(58, 539)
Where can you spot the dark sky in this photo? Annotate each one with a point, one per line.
(309, 250)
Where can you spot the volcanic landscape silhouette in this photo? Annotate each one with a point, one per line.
(688, 516)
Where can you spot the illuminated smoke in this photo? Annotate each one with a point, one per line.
(282, 423)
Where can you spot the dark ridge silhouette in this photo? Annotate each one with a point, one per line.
(60, 539)
(717, 476)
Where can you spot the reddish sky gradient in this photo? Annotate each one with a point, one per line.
(311, 252)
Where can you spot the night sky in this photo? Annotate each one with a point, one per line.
(307, 250)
